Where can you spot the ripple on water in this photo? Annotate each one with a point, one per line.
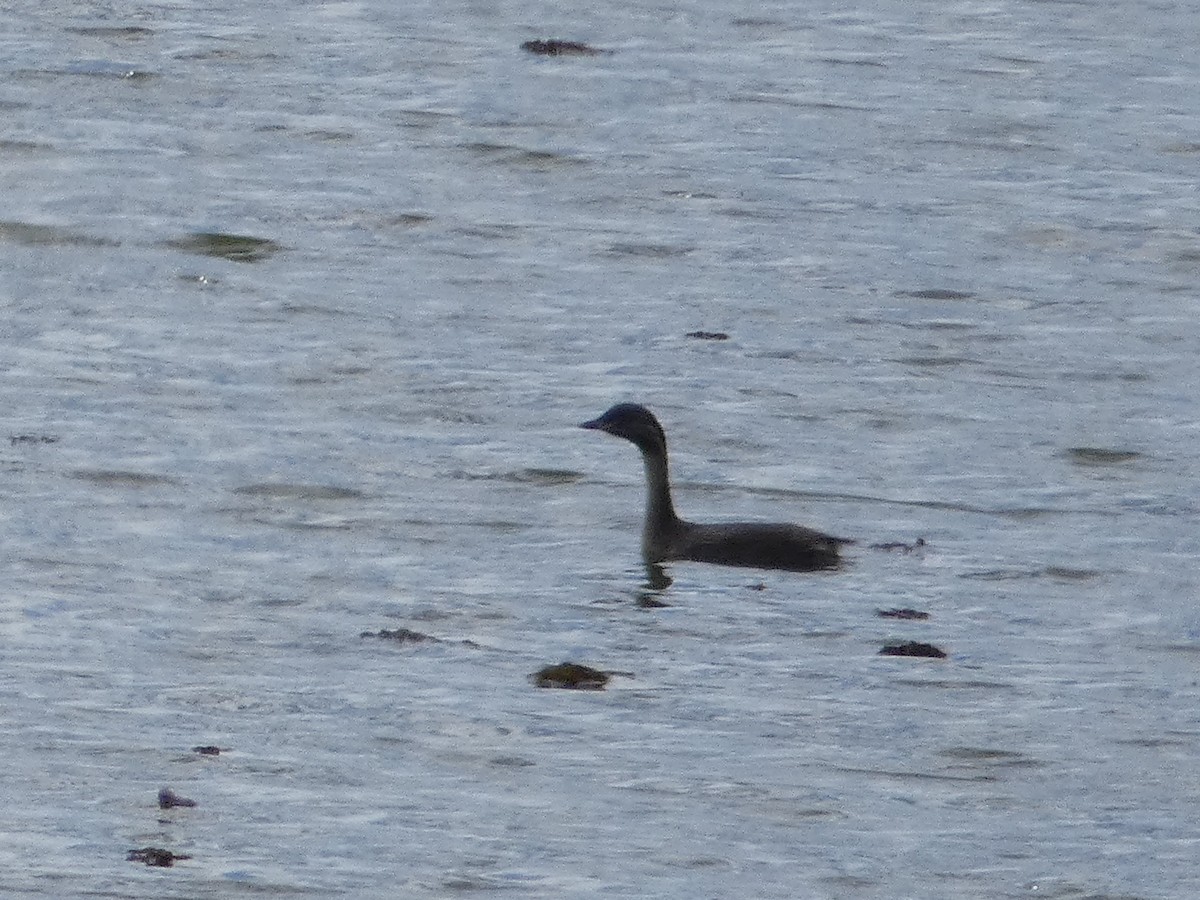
(121, 478)
(531, 475)
(116, 32)
(1100, 456)
(522, 157)
(1058, 573)
(646, 250)
(297, 491)
(51, 235)
(991, 756)
(936, 294)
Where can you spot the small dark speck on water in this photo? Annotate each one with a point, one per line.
(572, 676)
(708, 335)
(207, 750)
(913, 648)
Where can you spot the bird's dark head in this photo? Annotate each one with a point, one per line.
(634, 423)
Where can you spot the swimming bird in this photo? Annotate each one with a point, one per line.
(667, 537)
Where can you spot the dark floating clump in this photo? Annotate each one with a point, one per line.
(649, 601)
(556, 47)
(901, 546)
(913, 648)
(904, 613)
(708, 335)
(207, 750)
(168, 799)
(401, 636)
(571, 676)
(156, 856)
(236, 247)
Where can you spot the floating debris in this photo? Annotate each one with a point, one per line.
(207, 750)
(571, 676)
(708, 335)
(902, 613)
(155, 856)
(168, 799)
(913, 648)
(555, 47)
(647, 600)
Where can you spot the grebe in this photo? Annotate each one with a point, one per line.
(667, 537)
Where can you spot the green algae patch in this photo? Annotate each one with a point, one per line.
(242, 248)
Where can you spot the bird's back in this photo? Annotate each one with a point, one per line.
(764, 546)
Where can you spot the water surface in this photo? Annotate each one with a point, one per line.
(302, 305)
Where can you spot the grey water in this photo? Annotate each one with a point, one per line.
(303, 302)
